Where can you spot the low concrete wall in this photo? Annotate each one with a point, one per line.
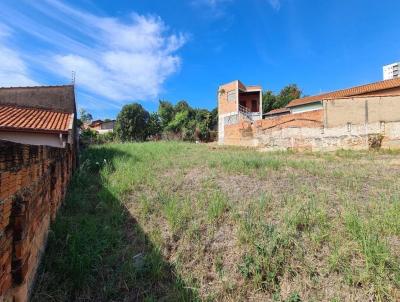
(33, 183)
(362, 110)
(245, 133)
(346, 123)
(329, 139)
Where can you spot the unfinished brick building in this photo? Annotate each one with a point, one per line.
(37, 156)
(353, 118)
(237, 102)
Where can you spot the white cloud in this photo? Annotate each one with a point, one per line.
(118, 60)
(132, 60)
(276, 4)
(13, 70)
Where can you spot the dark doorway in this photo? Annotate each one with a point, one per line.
(254, 106)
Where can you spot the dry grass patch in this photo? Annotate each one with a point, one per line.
(234, 224)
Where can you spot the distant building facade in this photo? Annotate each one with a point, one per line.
(101, 126)
(391, 71)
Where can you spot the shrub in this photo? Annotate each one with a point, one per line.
(89, 136)
(375, 141)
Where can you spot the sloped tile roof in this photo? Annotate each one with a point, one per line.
(14, 118)
(358, 90)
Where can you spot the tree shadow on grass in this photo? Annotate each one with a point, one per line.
(97, 251)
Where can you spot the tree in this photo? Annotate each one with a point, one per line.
(186, 122)
(285, 96)
(132, 122)
(166, 113)
(154, 125)
(188, 131)
(182, 106)
(288, 94)
(214, 119)
(85, 116)
(180, 120)
(269, 101)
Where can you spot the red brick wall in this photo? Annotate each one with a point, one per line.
(33, 183)
(306, 119)
(244, 132)
(241, 133)
(225, 106)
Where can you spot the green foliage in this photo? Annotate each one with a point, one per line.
(294, 297)
(89, 136)
(217, 206)
(287, 94)
(214, 119)
(132, 123)
(166, 113)
(380, 268)
(187, 123)
(181, 121)
(107, 137)
(269, 101)
(85, 116)
(182, 106)
(178, 213)
(154, 125)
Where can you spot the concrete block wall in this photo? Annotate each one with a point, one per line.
(246, 133)
(308, 131)
(355, 137)
(362, 110)
(33, 183)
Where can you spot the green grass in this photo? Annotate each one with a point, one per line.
(216, 207)
(183, 222)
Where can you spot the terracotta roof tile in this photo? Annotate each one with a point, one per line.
(34, 120)
(358, 90)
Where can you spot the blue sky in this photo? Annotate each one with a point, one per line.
(142, 51)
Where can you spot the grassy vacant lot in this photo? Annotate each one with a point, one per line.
(186, 222)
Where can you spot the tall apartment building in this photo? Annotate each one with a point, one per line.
(391, 71)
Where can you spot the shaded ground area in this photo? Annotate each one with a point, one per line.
(97, 251)
(185, 222)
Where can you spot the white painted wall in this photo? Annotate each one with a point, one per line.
(39, 139)
(306, 107)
